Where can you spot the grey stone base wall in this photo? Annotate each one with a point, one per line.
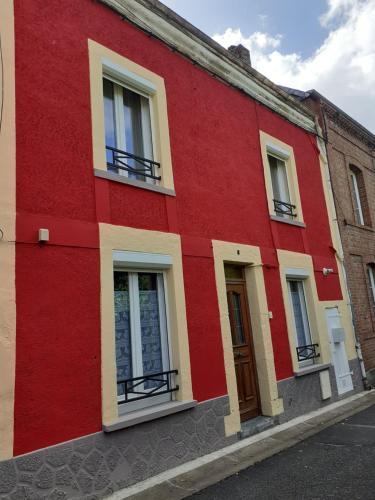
(303, 394)
(94, 466)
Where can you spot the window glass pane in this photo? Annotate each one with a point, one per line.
(300, 313)
(274, 178)
(371, 276)
(137, 130)
(283, 181)
(150, 326)
(357, 201)
(122, 329)
(280, 187)
(238, 333)
(233, 272)
(109, 117)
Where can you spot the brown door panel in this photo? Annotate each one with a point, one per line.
(247, 383)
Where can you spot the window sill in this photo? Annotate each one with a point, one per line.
(287, 221)
(104, 174)
(360, 226)
(150, 413)
(311, 369)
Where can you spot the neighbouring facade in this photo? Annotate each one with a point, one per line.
(171, 263)
(351, 159)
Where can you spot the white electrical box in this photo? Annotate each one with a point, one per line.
(43, 235)
(338, 335)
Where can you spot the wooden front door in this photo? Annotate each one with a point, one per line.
(243, 352)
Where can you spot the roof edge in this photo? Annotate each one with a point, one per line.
(163, 23)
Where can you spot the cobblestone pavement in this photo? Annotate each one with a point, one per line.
(337, 463)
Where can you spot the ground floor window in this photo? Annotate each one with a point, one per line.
(304, 346)
(142, 352)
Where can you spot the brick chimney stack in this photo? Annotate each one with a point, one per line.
(241, 52)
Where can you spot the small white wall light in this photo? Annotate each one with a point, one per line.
(43, 235)
(327, 271)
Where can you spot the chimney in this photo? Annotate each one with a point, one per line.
(241, 52)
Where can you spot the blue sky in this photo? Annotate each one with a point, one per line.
(328, 45)
(297, 21)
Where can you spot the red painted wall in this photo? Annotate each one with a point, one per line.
(219, 182)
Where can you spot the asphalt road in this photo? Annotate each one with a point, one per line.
(338, 463)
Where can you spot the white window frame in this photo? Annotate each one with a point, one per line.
(371, 277)
(284, 193)
(300, 278)
(119, 84)
(134, 263)
(358, 212)
(282, 155)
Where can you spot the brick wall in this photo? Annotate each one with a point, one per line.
(347, 150)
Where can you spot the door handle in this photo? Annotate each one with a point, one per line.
(239, 354)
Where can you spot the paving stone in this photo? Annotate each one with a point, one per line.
(113, 458)
(59, 455)
(32, 462)
(44, 478)
(24, 493)
(75, 462)
(8, 476)
(84, 445)
(102, 479)
(139, 470)
(25, 478)
(85, 482)
(93, 462)
(58, 495)
(64, 477)
(166, 448)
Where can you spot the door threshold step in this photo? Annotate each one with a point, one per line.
(256, 425)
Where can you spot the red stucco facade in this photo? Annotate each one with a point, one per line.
(220, 194)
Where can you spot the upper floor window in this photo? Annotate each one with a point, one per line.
(128, 132)
(280, 189)
(280, 173)
(360, 203)
(355, 178)
(371, 277)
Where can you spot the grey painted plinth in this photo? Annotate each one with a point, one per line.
(303, 394)
(94, 466)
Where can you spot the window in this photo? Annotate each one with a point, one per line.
(371, 277)
(305, 349)
(142, 352)
(280, 189)
(128, 132)
(356, 181)
(281, 180)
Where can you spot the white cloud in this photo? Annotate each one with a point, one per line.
(256, 41)
(342, 69)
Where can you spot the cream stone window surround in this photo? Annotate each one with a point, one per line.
(146, 250)
(274, 147)
(107, 63)
(227, 252)
(299, 266)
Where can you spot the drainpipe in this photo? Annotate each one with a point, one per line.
(322, 145)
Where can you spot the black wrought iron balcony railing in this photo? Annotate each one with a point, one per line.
(136, 388)
(307, 352)
(284, 208)
(127, 162)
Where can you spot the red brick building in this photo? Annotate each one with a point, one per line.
(172, 267)
(351, 158)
